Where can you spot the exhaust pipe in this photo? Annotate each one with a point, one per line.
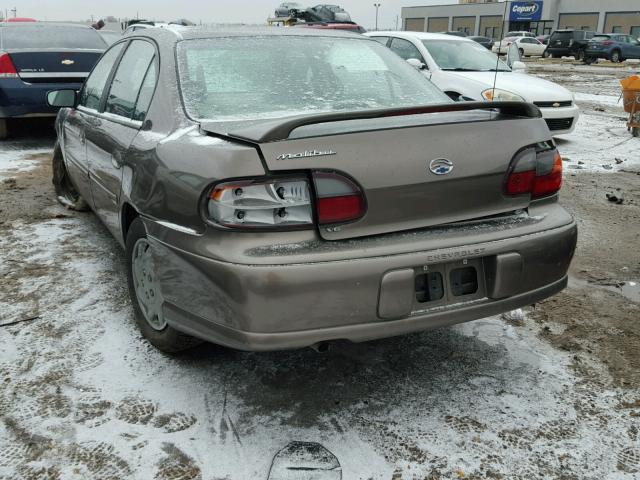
(321, 347)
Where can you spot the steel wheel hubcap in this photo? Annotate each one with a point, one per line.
(146, 285)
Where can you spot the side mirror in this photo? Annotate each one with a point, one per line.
(417, 64)
(518, 66)
(62, 98)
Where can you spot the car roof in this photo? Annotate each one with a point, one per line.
(193, 33)
(419, 35)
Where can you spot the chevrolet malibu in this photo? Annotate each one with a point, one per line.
(283, 188)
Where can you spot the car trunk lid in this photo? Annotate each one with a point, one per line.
(54, 66)
(415, 170)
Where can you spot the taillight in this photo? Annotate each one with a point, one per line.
(338, 199)
(607, 42)
(7, 69)
(259, 203)
(535, 171)
(285, 202)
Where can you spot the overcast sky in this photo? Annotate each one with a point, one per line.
(207, 11)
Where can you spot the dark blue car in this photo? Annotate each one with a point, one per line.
(616, 47)
(36, 58)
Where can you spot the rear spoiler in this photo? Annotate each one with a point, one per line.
(280, 129)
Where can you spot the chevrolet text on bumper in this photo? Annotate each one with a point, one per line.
(348, 208)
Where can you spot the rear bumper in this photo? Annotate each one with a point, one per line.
(272, 307)
(21, 99)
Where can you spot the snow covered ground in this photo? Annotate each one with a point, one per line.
(83, 396)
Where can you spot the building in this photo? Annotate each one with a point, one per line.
(488, 18)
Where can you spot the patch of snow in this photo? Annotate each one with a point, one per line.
(13, 161)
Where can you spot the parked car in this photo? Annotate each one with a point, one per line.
(288, 9)
(36, 57)
(519, 33)
(486, 42)
(543, 39)
(456, 33)
(466, 71)
(612, 46)
(568, 43)
(263, 209)
(528, 46)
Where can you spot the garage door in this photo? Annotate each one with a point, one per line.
(414, 24)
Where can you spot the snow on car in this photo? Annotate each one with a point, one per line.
(234, 223)
(466, 71)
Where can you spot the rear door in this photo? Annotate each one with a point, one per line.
(111, 131)
(76, 123)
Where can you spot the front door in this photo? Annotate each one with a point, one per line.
(76, 123)
(111, 131)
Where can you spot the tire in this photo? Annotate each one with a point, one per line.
(66, 193)
(4, 128)
(521, 50)
(580, 55)
(146, 297)
(616, 56)
(635, 132)
(546, 54)
(588, 60)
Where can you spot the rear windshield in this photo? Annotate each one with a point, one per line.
(49, 36)
(246, 78)
(562, 35)
(601, 38)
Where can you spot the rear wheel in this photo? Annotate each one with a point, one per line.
(66, 193)
(146, 297)
(521, 50)
(546, 54)
(588, 60)
(635, 131)
(580, 55)
(616, 56)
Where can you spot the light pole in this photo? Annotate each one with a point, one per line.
(377, 5)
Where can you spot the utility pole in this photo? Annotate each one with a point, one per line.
(397, 18)
(377, 5)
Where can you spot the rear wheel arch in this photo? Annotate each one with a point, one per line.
(127, 216)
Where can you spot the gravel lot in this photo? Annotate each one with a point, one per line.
(551, 392)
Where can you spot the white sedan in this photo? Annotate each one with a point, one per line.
(529, 47)
(465, 70)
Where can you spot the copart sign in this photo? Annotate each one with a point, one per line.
(525, 11)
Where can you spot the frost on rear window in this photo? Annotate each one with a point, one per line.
(51, 36)
(240, 78)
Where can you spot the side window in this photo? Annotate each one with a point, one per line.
(146, 91)
(94, 85)
(128, 78)
(405, 49)
(382, 40)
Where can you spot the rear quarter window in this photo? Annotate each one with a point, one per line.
(46, 36)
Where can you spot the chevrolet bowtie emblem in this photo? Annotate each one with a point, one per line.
(556, 105)
(67, 62)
